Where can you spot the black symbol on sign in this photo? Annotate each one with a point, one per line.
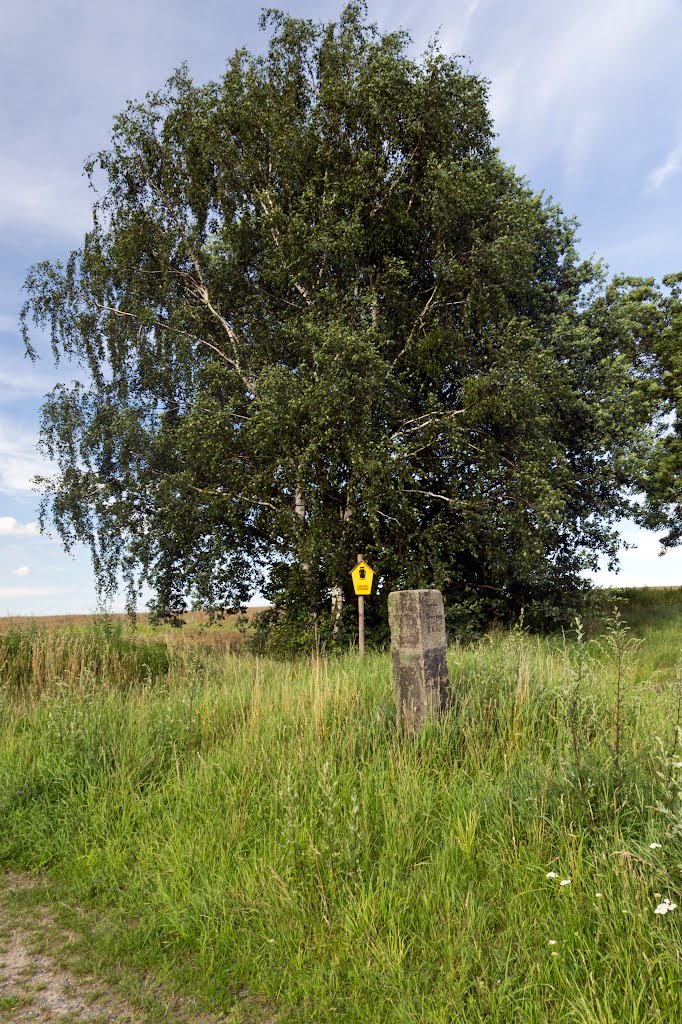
(362, 574)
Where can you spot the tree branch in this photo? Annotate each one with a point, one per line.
(200, 289)
(394, 181)
(269, 209)
(117, 311)
(417, 323)
(419, 422)
(432, 494)
(233, 497)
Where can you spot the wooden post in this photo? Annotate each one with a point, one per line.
(361, 618)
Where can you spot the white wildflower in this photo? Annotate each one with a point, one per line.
(551, 874)
(565, 881)
(599, 895)
(552, 942)
(665, 906)
(654, 846)
(678, 764)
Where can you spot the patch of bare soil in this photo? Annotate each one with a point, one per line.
(35, 988)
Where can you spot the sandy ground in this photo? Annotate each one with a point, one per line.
(35, 988)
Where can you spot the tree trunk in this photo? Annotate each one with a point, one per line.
(337, 608)
(299, 509)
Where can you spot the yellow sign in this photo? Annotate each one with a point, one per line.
(362, 578)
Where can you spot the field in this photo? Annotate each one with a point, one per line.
(256, 833)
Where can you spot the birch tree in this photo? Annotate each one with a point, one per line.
(317, 314)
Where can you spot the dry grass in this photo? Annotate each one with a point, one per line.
(198, 633)
(193, 620)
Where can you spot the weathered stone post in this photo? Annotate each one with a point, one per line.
(420, 669)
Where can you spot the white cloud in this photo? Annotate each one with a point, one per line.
(671, 164)
(63, 88)
(9, 527)
(568, 81)
(13, 592)
(23, 570)
(19, 459)
(642, 565)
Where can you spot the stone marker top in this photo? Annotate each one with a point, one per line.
(416, 618)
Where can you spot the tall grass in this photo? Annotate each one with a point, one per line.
(35, 661)
(255, 826)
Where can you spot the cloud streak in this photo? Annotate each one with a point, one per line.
(20, 384)
(671, 165)
(558, 73)
(19, 460)
(14, 592)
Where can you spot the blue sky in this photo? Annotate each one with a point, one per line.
(587, 101)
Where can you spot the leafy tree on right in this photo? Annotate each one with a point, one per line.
(659, 335)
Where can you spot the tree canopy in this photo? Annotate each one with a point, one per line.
(318, 315)
(660, 339)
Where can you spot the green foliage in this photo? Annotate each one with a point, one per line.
(316, 314)
(660, 344)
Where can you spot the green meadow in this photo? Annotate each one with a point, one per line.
(258, 833)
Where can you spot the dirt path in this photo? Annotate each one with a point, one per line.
(35, 986)
(34, 989)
